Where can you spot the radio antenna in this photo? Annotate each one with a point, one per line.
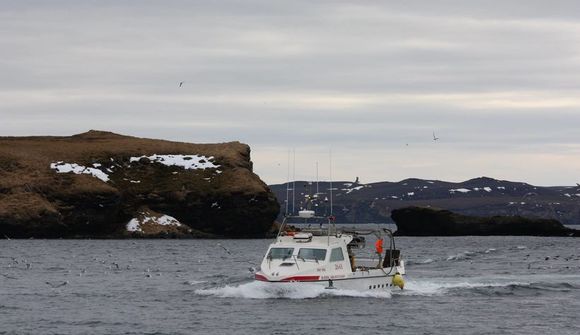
(288, 182)
(317, 179)
(330, 164)
(294, 182)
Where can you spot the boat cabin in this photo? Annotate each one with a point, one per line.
(314, 254)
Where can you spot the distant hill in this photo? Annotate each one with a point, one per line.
(356, 202)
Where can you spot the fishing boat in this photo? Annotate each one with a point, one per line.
(320, 253)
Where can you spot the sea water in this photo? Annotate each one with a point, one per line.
(454, 285)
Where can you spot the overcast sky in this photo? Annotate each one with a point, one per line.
(497, 81)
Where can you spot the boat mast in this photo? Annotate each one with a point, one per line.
(331, 218)
(294, 182)
(317, 179)
(330, 158)
(287, 183)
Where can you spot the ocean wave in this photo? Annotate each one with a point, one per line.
(5, 307)
(461, 256)
(194, 282)
(465, 255)
(469, 254)
(261, 290)
(417, 262)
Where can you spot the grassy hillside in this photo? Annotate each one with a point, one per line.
(93, 183)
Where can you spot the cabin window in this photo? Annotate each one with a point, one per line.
(312, 254)
(336, 255)
(280, 253)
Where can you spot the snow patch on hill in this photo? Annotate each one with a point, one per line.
(349, 189)
(185, 161)
(135, 225)
(62, 167)
(461, 190)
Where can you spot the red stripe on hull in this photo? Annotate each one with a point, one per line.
(260, 277)
(302, 278)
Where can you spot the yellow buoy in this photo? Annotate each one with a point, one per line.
(398, 280)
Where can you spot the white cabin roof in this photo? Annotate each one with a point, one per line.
(316, 241)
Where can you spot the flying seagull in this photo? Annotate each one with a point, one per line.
(55, 285)
(224, 248)
(181, 83)
(434, 137)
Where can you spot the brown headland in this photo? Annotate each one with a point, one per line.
(93, 184)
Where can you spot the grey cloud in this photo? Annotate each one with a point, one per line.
(366, 78)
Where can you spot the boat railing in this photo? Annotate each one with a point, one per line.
(365, 264)
(326, 225)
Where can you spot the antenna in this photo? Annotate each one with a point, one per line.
(331, 219)
(288, 182)
(317, 178)
(294, 182)
(330, 158)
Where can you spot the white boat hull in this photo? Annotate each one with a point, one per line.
(374, 279)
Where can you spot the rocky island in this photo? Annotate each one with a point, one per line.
(423, 221)
(104, 185)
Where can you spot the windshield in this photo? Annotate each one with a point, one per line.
(280, 253)
(313, 254)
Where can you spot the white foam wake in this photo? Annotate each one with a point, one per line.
(461, 256)
(262, 290)
(194, 282)
(441, 286)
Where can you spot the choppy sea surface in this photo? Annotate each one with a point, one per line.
(454, 285)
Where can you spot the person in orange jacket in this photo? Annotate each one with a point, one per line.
(379, 249)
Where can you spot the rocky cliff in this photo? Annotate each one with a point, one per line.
(421, 221)
(101, 184)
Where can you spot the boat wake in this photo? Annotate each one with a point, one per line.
(483, 286)
(440, 287)
(490, 286)
(261, 290)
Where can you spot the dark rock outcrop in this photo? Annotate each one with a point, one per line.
(421, 221)
(93, 184)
